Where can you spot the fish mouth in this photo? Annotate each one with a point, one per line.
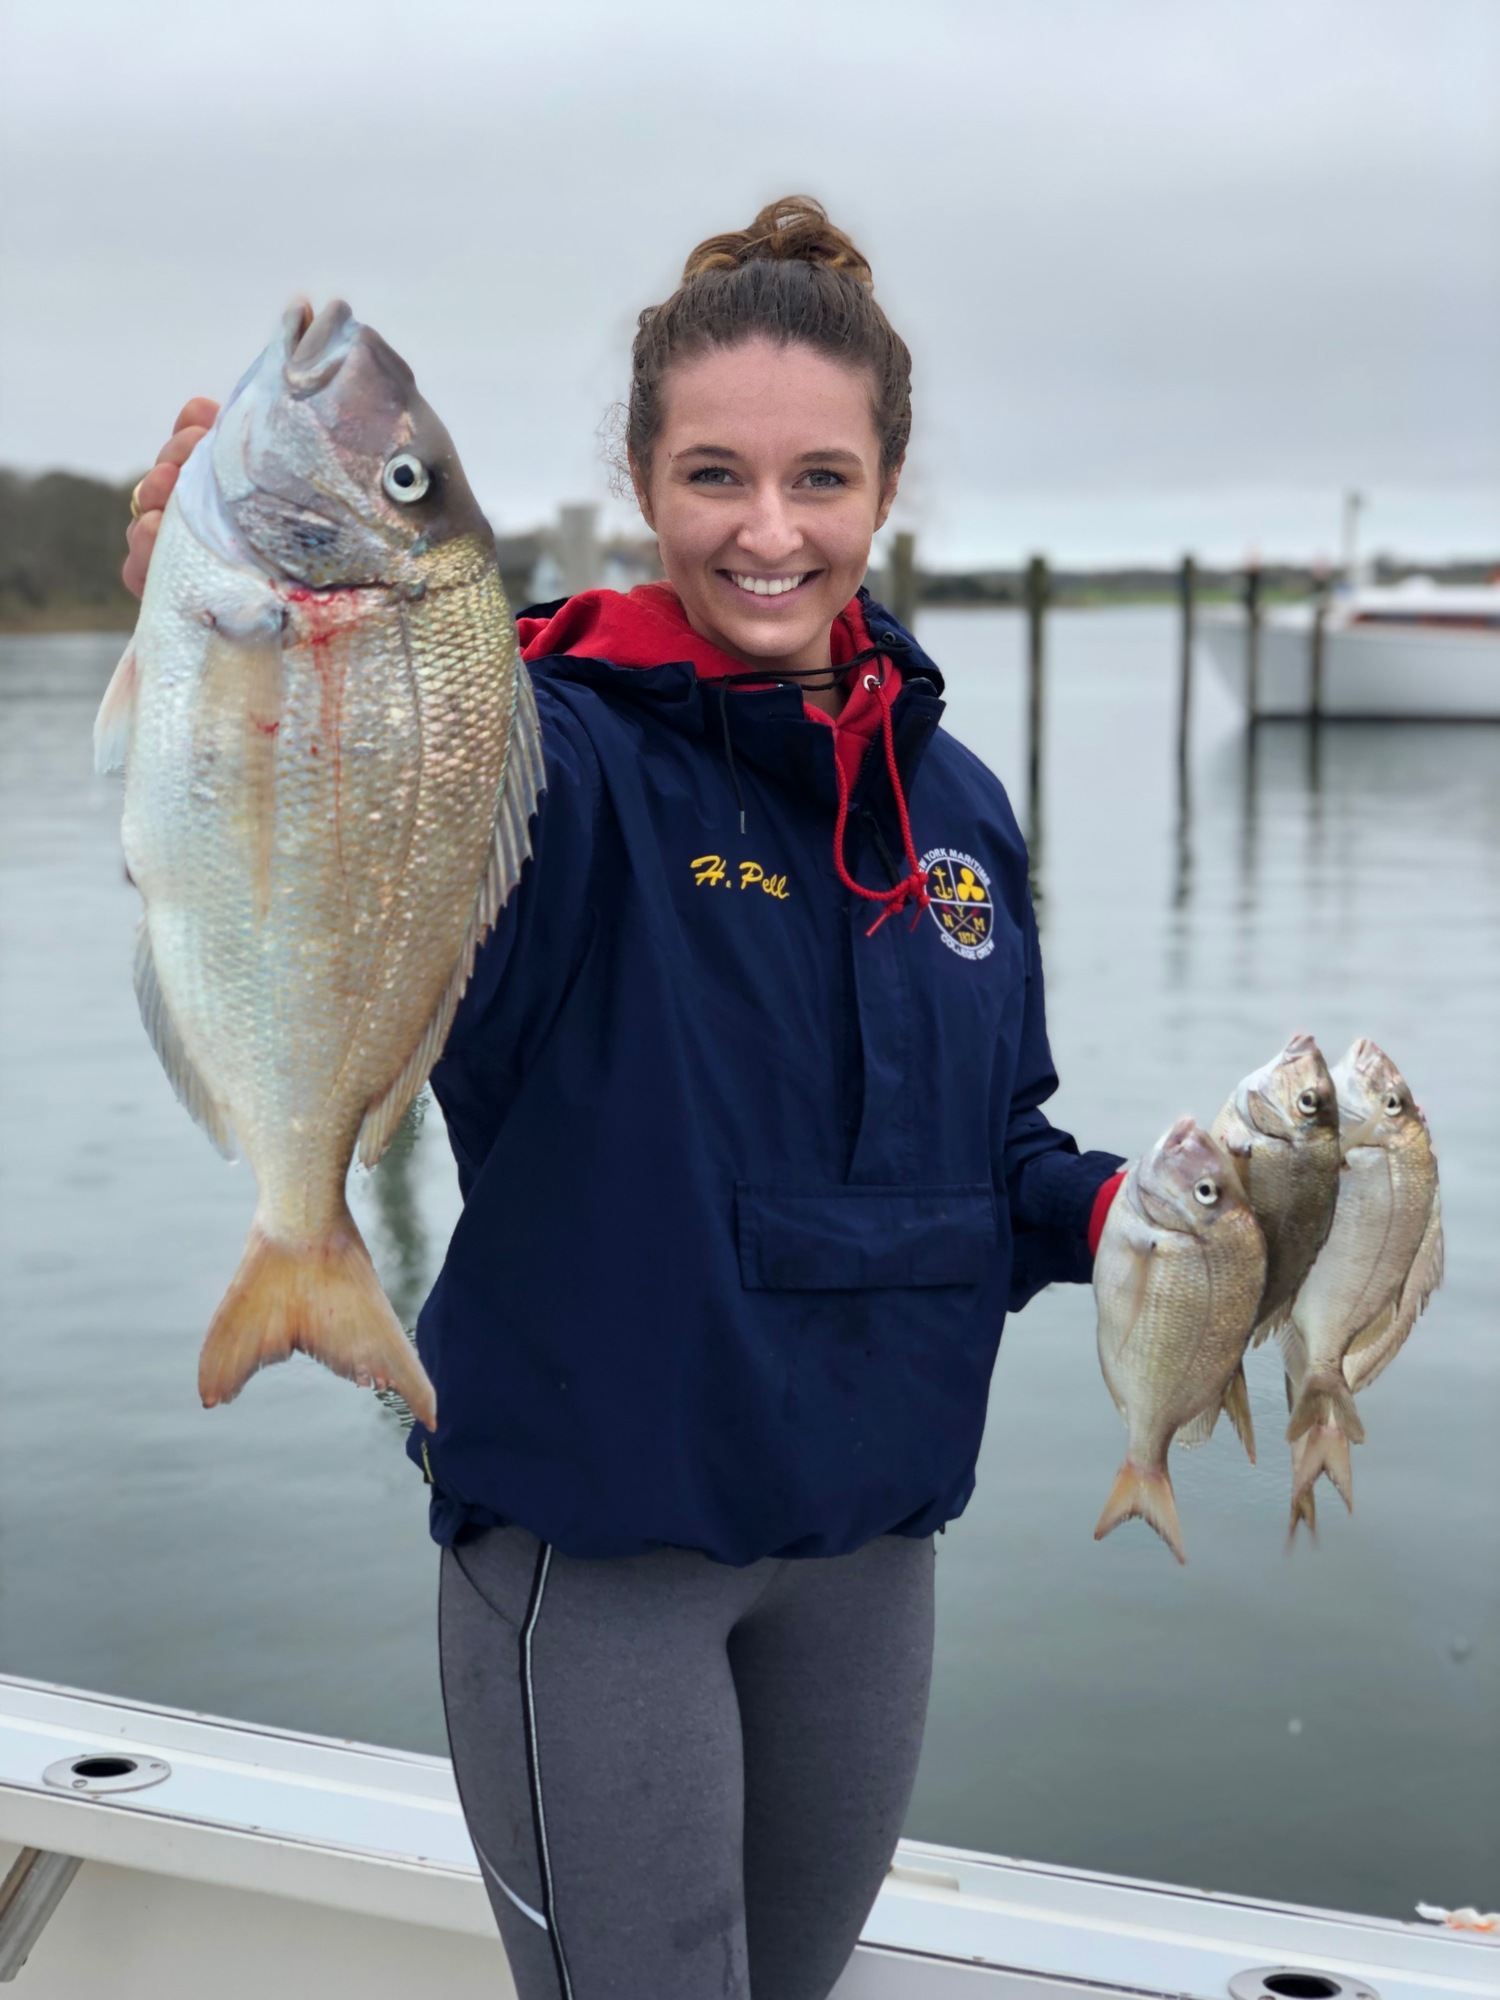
(1364, 1055)
(315, 345)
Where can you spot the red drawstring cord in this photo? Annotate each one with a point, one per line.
(913, 887)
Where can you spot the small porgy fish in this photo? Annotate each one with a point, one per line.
(331, 755)
(1382, 1262)
(1281, 1129)
(1177, 1280)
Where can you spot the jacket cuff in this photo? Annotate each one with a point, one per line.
(1103, 1202)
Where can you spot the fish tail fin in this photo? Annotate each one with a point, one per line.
(1324, 1449)
(1304, 1514)
(1143, 1492)
(322, 1299)
(1326, 1403)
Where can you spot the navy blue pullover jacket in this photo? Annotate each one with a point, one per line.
(747, 1191)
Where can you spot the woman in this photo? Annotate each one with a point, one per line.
(745, 1095)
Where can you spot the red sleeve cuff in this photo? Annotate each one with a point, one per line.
(1102, 1201)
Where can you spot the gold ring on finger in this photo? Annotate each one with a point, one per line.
(135, 498)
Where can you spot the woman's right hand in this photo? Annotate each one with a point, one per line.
(155, 489)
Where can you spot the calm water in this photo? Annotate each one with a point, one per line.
(1324, 1727)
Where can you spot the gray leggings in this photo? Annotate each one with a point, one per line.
(684, 1781)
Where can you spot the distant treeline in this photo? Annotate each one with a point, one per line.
(62, 541)
(1144, 585)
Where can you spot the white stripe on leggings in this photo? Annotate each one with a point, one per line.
(505, 1889)
(549, 1902)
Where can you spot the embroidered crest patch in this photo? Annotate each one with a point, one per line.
(962, 905)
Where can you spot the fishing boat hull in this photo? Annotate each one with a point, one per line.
(1370, 670)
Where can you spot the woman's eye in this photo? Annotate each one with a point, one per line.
(710, 475)
(824, 479)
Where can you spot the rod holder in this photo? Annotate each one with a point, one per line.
(1298, 1982)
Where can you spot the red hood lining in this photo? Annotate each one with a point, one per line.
(647, 627)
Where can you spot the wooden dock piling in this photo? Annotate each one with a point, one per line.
(1187, 595)
(1036, 666)
(902, 572)
(1315, 664)
(1252, 639)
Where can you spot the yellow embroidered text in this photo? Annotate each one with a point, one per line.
(711, 871)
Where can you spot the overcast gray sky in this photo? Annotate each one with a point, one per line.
(1174, 272)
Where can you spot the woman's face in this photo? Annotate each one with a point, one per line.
(765, 490)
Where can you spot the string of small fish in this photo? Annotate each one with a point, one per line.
(1308, 1213)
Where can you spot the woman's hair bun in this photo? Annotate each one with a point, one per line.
(790, 278)
(794, 230)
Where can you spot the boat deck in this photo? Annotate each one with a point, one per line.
(273, 1861)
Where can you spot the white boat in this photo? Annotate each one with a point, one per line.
(148, 1853)
(1416, 649)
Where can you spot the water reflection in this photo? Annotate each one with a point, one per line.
(406, 1266)
(1093, 1705)
(1090, 1707)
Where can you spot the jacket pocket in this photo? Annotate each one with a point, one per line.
(854, 1238)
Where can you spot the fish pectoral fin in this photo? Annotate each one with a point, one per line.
(112, 724)
(521, 784)
(1368, 1352)
(182, 1073)
(1372, 1351)
(255, 622)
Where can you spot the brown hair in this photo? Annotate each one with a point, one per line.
(791, 276)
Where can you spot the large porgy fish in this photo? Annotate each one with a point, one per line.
(331, 757)
(1381, 1263)
(1178, 1279)
(1281, 1129)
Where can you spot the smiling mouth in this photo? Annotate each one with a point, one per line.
(766, 586)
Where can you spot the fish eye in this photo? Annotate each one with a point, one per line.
(1393, 1103)
(1307, 1103)
(1207, 1192)
(405, 478)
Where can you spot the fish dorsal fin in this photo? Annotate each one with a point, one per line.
(171, 1052)
(520, 785)
(116, 714)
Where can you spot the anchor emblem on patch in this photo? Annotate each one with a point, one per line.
(961, 902)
